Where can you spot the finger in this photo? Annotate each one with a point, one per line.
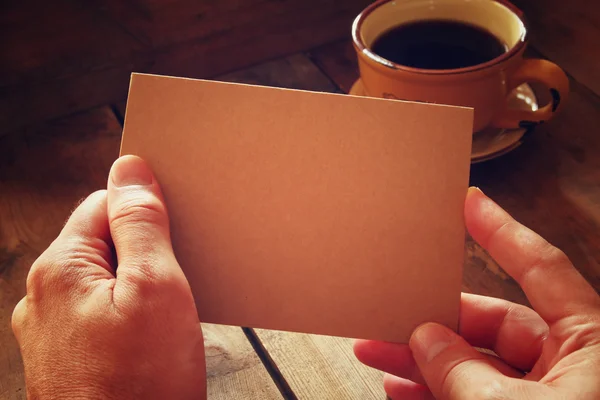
(393, 358)
(18, 316)
(552, 285)
(89, 219)
(138, 221)
(397, 359)
(403, 389)
(86, 233)
(451, 367)
(81, 252)
(515, 332)
(501, 365)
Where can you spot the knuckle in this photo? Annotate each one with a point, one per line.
(145, 266)
(459, 372)
(177, 284)
(37, 277)
(63, 267)
(99, 192)
(492, 390)
(555, 256)
(158, 283)
(547, 256)
(143, 278)
(44, 268)
(456, 373)
(510, 226)
(153, 279)
(459, 384)
(143, 208)
(18, 315)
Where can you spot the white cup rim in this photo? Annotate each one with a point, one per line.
(364, 49)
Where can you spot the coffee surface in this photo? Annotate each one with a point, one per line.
(438, 45)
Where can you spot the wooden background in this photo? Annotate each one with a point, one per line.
(64, 72)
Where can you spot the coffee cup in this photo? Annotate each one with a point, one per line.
(455, 52)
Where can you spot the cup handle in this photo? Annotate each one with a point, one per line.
(539, 71)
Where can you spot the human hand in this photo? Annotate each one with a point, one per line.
(553, 353)
(108, 312)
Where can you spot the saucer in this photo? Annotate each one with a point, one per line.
(491, 143)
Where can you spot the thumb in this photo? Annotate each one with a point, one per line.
(452, 368)
(139, 224)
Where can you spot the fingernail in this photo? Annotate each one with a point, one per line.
(475, 189)
(130, 170)
(432, 339)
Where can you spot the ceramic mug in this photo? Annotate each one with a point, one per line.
(483, 87)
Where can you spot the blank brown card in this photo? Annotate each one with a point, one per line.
(309, 212)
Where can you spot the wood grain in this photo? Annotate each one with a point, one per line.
(291, 27)
(49, 72)
(31, 105)
(338, 61)
(58, 39)
(58, 58)
(44, 172)
(161, 24)
(293, 72)
(568, 34)
(233, 369)
(321, 367)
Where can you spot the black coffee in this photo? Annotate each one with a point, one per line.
(438, 45)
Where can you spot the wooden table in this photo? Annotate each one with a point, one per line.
(551, 183)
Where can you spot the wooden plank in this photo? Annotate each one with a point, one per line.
(233, 369)
(57, 39)
(58, 58)
(338, 61)
(43, 173)
(482, 275)
(568, 33)
(254, 44)
(321, 367)
(30, 105)
(293, 72)
(164, 23)
(179, 37)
